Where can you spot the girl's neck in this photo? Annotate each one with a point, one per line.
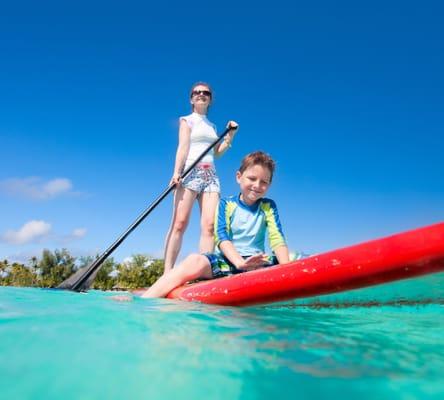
(200, 110)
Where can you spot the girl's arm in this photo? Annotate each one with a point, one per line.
(182, 151)
(222, 147)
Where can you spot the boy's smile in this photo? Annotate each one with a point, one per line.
(254, 183)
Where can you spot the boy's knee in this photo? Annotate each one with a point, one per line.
(196, 264)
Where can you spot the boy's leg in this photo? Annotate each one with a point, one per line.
(193, 267)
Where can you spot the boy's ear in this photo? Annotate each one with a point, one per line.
(238, 176)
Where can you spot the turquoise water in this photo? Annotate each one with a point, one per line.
(57, 344)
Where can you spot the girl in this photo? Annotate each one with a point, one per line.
(196, 133)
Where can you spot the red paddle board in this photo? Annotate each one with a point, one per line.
(404, 255)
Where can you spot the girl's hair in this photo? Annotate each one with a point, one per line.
(200, 83)
(258, 158)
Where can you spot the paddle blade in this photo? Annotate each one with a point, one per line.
(70, 282)
(82, 279)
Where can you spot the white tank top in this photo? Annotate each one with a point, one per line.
(203, 133)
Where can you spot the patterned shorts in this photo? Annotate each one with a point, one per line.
(221, 266)
(202, 178)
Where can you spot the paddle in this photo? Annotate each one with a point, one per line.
(83, 278)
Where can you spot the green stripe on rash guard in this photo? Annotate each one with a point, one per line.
(275, 234)
(222, 228)
(216, 228)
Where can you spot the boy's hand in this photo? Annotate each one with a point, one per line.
(254, 262)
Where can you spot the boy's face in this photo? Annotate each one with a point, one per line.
(254, 183)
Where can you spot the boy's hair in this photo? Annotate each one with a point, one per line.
(258, 158)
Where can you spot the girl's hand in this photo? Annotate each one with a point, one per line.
(230, 135)
(233, 125)
(175, 179)
(254, 262)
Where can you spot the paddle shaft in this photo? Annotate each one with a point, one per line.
(79, 284)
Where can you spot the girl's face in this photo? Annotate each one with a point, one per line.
(254, 183)
(201, 97)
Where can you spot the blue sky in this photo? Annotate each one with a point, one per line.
(347, 97)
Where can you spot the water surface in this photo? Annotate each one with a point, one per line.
(58, 344)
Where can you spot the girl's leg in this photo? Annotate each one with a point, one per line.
(193, 267)
(208, 202)
(183, 203)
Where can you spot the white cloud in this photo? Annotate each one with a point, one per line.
(56, 186)
(32, 231)
(35, 188)
(36, 231)
(76, 234)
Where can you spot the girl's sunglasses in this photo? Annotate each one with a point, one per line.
(200, 93)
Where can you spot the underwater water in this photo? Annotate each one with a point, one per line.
(368, 343)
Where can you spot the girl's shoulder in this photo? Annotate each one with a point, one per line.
(194, 118)
(189, 119)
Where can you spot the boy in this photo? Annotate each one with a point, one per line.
(241, 224)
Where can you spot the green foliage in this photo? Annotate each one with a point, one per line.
(105, 281)
(16, 275)
(155, 272)
(21, 276)
(54, 267)
(140, 271)
(4, 273)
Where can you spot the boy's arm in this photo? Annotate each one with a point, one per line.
(253, 262)
(230, 252)
(275, 234)
(282, 254)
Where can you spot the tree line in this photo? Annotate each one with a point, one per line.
(53, 267)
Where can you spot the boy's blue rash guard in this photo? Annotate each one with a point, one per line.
(245, 226)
